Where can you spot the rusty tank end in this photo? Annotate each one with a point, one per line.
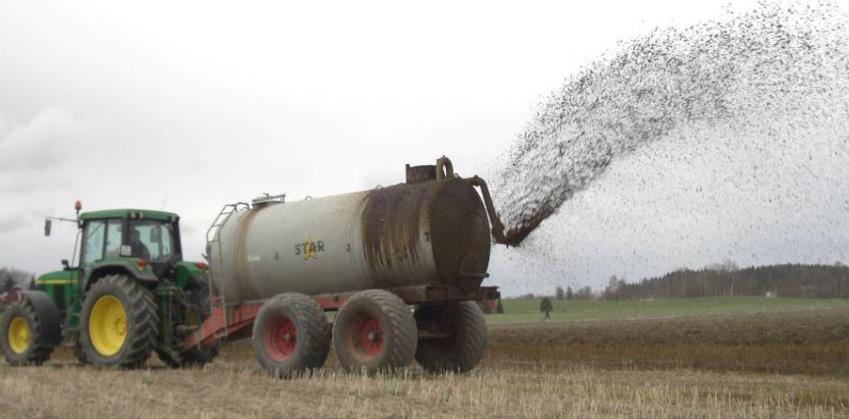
(446, 216)
(432, 231)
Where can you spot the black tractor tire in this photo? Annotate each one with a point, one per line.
(141, 322)
(465, 344)
(35, 351)
(374, 331)
(291, 335)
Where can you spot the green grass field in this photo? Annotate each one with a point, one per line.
(527, 309)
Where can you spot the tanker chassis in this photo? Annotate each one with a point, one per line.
(401, 265)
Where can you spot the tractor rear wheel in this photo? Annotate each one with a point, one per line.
(374, 331)
(21, 330)
(291, 335)
(119, 324)
(459, 340)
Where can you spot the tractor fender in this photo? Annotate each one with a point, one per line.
(48, 317)
(122, 268)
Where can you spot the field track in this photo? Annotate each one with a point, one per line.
(775, 364)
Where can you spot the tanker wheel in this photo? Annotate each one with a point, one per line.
(21, 330)
(460, 342)
(291, 335)
(119, 324)
(374, 331)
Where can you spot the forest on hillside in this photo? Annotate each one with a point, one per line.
(726, 279)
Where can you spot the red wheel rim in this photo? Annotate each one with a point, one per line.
(367, 336)
(281, 338)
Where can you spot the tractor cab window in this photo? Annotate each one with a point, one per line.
(113, 238)
(152, 240)
(93, 240)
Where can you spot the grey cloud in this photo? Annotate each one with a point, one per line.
(12, 222)
(29, 183)
(40, 144)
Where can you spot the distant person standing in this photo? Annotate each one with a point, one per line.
(546, 307)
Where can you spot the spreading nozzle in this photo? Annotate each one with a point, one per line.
(494, 219)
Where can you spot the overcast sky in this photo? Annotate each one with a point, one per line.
(186, 106)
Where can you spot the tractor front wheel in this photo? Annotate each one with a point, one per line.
(119, 324)
(21, 331)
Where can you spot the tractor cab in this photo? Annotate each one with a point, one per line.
(149, 240)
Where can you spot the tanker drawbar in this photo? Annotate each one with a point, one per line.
(402, 264)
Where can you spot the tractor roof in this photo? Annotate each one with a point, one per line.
(134, 213)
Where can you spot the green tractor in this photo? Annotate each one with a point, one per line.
(130, 295)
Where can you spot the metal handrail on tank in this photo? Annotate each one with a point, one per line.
(226, 214)
(221, 219)
(267, 199)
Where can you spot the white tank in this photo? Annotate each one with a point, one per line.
(426, 232)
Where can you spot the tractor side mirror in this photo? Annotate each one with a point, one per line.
(154, 235)
(47, 226)
(65, 265)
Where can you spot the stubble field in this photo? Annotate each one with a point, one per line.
(787, 362)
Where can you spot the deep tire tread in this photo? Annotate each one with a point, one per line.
(467, 344)
(314, 332)
(141, 314)
(37, 353)
(404, 334)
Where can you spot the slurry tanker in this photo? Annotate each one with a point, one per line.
(402, 267)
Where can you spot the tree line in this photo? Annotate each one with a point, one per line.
(10, 277)
(585, 293)
(787, 280)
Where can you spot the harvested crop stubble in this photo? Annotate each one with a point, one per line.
(224, 390)
(531, 370)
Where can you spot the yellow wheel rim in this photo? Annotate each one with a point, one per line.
(19, 333)
(107, 325)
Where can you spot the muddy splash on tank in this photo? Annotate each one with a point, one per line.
(778, 62)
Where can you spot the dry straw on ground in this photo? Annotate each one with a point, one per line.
(566, 369)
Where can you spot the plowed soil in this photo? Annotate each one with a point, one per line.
(811, 341)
